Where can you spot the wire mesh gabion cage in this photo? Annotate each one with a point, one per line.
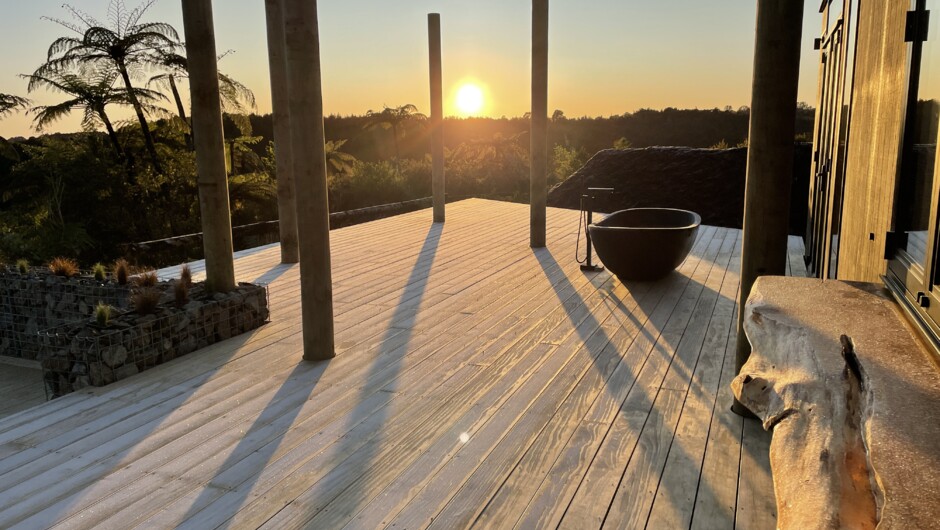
(35, 301)
(78, 355)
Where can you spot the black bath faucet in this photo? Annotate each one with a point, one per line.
(588, 198)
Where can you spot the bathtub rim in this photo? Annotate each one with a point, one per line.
(697, 221)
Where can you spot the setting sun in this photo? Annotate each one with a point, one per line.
(469, 99)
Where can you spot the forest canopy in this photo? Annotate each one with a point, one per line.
(73, 195)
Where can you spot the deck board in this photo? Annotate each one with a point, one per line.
(21, 388)
(477, 383)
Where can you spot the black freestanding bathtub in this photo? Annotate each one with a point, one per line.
(645, 243)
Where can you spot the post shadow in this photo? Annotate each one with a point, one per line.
(95, 469)
(287, 402)
(272, 274)
(547, 262)
(400, 326)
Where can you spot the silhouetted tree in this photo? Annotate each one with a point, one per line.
(236, 97)
(91, 94)
(124, 43)
(499, 165)
(8, 105)
(394, 118)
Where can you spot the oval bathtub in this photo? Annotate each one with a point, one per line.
(645, 243)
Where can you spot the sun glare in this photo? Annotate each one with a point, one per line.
(470, 99)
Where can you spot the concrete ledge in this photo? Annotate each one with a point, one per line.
(853, 399)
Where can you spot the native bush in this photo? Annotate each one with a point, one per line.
(146, 279)
(180, 293)
(722, 144)
(102, 314)
(186, 275)
(622, 143)
(100, 272)
(121, 271)
(65, 267)
(145, 301)
(565, 161)
(366, 184)
(73, 195)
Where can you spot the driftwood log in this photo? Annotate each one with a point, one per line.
(853, 401)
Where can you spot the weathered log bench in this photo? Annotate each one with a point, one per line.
(853, 399)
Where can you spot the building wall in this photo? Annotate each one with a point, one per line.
(875, 138)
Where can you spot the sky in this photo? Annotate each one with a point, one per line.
(606, 57)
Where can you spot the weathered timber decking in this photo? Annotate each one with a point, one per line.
(477, 382)
(21, 386)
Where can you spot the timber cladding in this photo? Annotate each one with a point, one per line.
(875, 138)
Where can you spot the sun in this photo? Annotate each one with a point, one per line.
(469, 99)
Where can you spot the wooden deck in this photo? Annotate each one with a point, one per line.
(477, 383)
(21, 386)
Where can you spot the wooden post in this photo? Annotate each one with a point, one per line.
(538, 147)
(770, 152)
(302, 41)
(437, 116)
(277, 64)
(210, 148)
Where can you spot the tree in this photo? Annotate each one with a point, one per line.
(8, 105)
(125, 44)
(498, 149)
(175, 65)
(394, 118)
(91, 93)
(241, 158)
(340, 162)
(565, 161)
(236, 97)
(498, 166)
(622, 143)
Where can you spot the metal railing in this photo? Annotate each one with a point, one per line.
(188, 247)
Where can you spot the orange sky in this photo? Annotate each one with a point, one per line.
(606, 56)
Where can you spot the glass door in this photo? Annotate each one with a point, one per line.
(843, 115)
(830, 136)
(912, 267)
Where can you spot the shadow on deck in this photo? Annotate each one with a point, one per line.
(477, 383)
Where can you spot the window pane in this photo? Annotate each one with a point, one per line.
(835, 10)
(849, 19)
(918, 165)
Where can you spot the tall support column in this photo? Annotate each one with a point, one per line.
(210, 148)
(437, 116)
(538, 150)
(277, 63)
(302, 38)
(770, 152)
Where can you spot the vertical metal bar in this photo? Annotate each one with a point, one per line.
(587, 233)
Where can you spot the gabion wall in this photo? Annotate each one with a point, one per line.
(36, 301)
(75, 356)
